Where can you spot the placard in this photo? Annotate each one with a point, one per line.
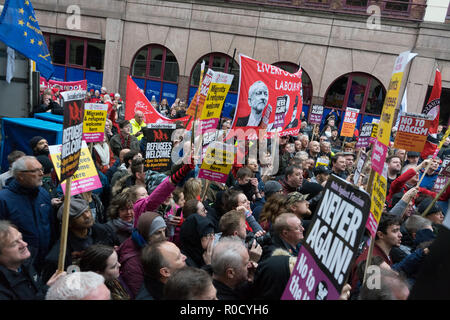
(217, 163)
(412, 132)
(85, 178)
(94, 122)
(331, 243)
(349, 124)
(316, 114)
(158, 149)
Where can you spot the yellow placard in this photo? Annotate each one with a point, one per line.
(378, 196)
(212, 107)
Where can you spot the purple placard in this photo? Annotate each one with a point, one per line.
(308, 282)
(315, 116)
(379, 156)
(364, 138)
(212, 175)
(209, 124)
(331, 243)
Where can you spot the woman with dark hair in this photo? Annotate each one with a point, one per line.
(121, 213)
(103, 260)
(196, 234)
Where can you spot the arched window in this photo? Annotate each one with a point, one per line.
(222, 63)
(155, 70)
(306, 80)
(356, 90)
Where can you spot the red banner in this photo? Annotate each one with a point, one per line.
(136, 100)
(269, 98)
(433, 105)
(65, 86)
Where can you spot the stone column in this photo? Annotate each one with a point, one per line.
(113, 53)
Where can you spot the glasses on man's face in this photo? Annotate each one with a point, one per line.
(34, 170)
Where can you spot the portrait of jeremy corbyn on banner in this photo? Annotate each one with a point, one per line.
(258, 97)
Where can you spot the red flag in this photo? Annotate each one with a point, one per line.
(136, 100)
(433, 104)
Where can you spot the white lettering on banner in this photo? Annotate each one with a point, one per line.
(71, 140)
(158, 150)
(335, 231)
(294, 287)
(287, 86)
(268, 68)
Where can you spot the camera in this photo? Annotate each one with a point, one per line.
(263, 240)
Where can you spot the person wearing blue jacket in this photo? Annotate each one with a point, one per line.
(28, 206)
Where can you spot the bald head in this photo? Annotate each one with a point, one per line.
(139, 116)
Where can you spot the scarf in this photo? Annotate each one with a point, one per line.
(103, 152)
(123, 225)
(122, 141)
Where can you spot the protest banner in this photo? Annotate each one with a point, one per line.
(158, 149)
(196, 106)
(359, 166)
(137, 101)
(217, 162)
(331, 243)
(412, 132)
(64, 85)
(269, 98)
(73, 102)
(213, 104)
(322, 161)
(378, 199)
(316, 114)
(388, 111)
(94, 122)
(349, 123)
(85, 178)
(365, 136)
(72, 131)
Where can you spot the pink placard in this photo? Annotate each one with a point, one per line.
(379, 156)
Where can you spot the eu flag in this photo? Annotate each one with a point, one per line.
(19, 29)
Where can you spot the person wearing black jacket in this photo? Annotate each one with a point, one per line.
(18, 278)
(159, 261)
(49, 104)
(83, 232)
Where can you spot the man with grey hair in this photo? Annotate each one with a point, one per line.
(79, 286)
(232, 269)
(258, 97)
(27, 205)
(18, 279)
(137, 124)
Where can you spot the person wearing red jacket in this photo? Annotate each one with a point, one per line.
(409, 179)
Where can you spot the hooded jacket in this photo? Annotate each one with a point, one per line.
(31, 211)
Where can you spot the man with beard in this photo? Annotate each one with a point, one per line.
(394, 169)
(298, 205)
(293, 179)
(26, 204)
(82, 233)
(39, 145)
(258, 97)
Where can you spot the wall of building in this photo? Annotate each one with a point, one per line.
(327, 45)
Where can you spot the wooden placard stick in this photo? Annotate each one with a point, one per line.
(372, 239)
(436, 198)
(65, 226)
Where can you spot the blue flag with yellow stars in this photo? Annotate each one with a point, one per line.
(19, 29)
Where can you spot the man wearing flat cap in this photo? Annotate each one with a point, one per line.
(82, 233)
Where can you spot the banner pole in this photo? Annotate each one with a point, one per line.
(343, 142)
(65, 226)
(436, 198)
(372, 238)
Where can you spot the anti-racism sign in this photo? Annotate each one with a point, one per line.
(331, 243)
(72, 132)
(137, 101)
(365, 136)
(65, 86)
(316, 114)
(158, 149)
(412, 132)
(217, 162)
(349, 123)
(388, 112)
(269, 98)
(85, 178)
(94, 122)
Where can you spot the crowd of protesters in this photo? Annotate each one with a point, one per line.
(149, 235)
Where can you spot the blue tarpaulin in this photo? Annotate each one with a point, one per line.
(47, 116)
(17, 132)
